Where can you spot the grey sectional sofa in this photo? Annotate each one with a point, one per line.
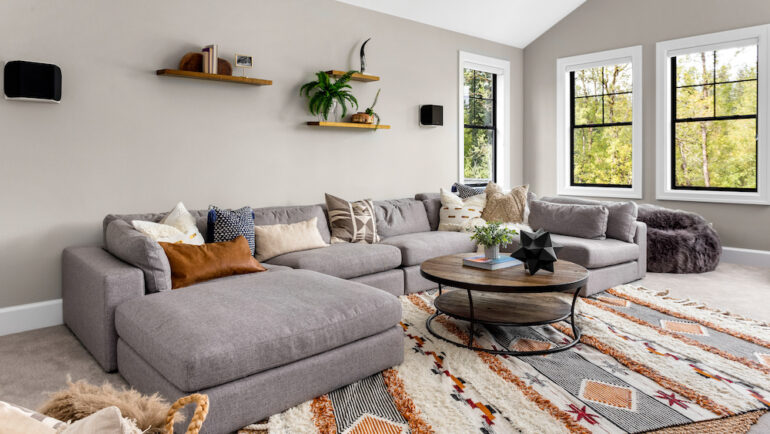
(260, 343)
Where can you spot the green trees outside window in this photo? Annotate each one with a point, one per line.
(714, 120)
(480, 133)
(600, 118)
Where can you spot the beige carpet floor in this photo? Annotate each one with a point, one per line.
(38, 361)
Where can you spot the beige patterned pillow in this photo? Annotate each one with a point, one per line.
(352, 222)
(460, 215)
(505, 207)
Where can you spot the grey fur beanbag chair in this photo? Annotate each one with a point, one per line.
(679, 241)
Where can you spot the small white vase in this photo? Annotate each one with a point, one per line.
(492, 252)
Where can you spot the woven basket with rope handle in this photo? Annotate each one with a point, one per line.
(197, 420)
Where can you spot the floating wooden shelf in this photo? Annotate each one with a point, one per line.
(215, 77)
(357, 76)
(349, 125)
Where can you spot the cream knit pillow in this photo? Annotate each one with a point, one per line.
(176, 227)
(274, 240)
(505, 207)
(460, 215)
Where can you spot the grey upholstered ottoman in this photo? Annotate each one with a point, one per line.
(257, 344)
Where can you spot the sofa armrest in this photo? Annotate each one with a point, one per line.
(94, 283)
(640, 239)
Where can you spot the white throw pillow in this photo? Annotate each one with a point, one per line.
(274, 240)
(106, 420)
(460, 215)
(19, 420)
(177, 227)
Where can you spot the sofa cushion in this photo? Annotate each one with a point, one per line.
(274, 240)
(344, 260)
(201, 216)
(139, 250)
(228, 224)
(585, 221)
(400, 216)
(225, 329)
(591, 253)
(505, 207)
(293, 214)
(192, 264)
(178, 226)
(466, 191)
(432, 203)
(421, 246)
(621, 218)
(460, 215)
(352, 222)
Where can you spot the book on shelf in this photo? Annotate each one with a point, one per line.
(491, 264)
(210, 59)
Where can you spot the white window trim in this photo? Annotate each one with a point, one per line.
(566, 65)
(664, 51)
(503, 70)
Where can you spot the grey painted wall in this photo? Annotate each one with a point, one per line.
(124, 140)
(606, 24)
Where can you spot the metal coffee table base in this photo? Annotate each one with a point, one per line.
(473, 320)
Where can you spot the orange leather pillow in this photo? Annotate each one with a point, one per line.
(192, 264)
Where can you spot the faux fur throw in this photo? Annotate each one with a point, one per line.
(679, 241)
(80, 400)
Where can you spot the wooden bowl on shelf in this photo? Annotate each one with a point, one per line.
(362, 118)
(194, 62)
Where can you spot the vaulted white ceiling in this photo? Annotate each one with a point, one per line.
(510, 22)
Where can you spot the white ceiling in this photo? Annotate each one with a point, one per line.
(510, 22)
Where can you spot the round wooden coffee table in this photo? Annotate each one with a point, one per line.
(505, 297)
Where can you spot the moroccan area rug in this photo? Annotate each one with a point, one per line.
(646, 363)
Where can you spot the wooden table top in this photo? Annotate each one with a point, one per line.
(449, 270)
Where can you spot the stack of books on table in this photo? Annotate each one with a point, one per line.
(491, 264)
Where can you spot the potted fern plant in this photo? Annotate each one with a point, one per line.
(492, 236)
(325, 96)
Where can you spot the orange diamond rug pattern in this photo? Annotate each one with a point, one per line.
(371, 424)
(608, 394)
(689, 328)
(524, 344)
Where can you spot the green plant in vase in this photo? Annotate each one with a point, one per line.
(324, 94)
(492, 236)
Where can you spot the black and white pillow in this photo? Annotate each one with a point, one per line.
(466, 191)
(227, 225)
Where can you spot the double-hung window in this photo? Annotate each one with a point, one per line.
(712, 103)
(483, 136)
(479, 126)
(599, 124)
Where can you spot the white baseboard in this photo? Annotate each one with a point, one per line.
(756, 258)
(15, 319)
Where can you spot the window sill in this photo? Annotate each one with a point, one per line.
(611, 192)
(714, 197)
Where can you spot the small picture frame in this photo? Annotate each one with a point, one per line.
(244, 61)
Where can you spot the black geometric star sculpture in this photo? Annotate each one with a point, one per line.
(537, 251)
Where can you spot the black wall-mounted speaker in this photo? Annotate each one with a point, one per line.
(432, 115)
(32, 81)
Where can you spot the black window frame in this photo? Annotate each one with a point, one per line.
(573, 126)
(493, 127)
(673, 121)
